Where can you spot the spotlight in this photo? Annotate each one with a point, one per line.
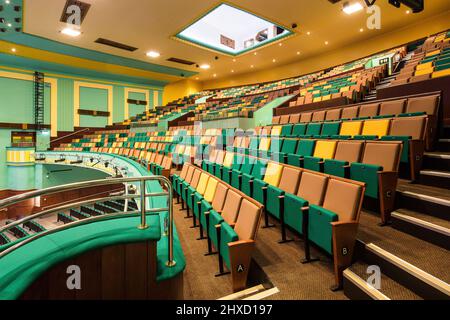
(17, 8)
(294, 25)
(415, 5)
(216, 58)
(395, 3)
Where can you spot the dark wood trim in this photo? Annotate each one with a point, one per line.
(332, 103)
(174, 123)
(21, 126)
(94, 113)
(137, 102)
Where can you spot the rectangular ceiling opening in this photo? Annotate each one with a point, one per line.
(232, 31)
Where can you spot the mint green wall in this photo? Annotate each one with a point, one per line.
(17, 101)
(65, 104)
(134, 109)
(93, 99)
(21, 178)
(118, 105)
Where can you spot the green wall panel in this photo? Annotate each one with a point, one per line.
(48, 175)
(119, 104)
(65, 104)
(93, 99)
(134, 109)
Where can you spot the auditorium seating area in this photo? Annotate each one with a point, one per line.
(233, 152)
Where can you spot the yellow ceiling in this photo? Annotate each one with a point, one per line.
(149, 25)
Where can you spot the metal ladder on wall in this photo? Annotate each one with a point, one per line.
(39, 95)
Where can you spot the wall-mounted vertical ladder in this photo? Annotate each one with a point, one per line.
(39, 94)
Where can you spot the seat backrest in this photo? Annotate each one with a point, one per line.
(273, 172)
(378, 128)
(190, 174)
(325, 149)
(428, 104)
(349, 151)
(392, 107)
(219, 197)
(202, 183)
(195, 178)
(259, 168)
(333, 115)
(289, 146)
(276, 120)
(351, 128)
(343, 198)
(318, 116)
(306, 147)
(228, 160)
(369, 110)
(386, 155)
(350, 112)
(211, 188)
(231, 207)
(247, 220)
(276, 131)
(413, 127)
(220, 157)
(312, 187)
(284, 119)
(238, 141)
(264, 144)
(184, 171)
(290, 179)
(306, 117)
(294, 118)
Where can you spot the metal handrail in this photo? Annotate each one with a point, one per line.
(70, 134)
(80, 185)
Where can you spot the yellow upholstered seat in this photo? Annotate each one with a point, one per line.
(202, 183)
(433, 53)
(441, 73)
(327, 97)
(424, 71)
(228, 161)
(264, 144)
(344, 89)
(423, 66)
(378, 128)
(325, 149)
(273, 174)
(351, 128)
(276, 131)
(211, 189)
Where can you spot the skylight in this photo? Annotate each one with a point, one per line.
(233, 31)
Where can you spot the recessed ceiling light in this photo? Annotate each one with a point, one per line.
(298, 52)
(255, 53)
(71, 32)
(214, 75)
(205, 66)
(153, 54)
(274, 60)
(326, 43)
(251, 66)
(232, 71)
(7, 2)
(9, 25)
(408, 12)
(13, 50)
(234, 60)
(196, 78)
(352, 8)
(308, 33)
(280, 44)
(361, 30)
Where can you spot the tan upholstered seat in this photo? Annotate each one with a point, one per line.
(350, 112)
(284, 119)
(290, 179)
(427, 104)
(306, 117)
(231, 206)
(276, 120)
(318, 116)
(386, 155)
(295, 118)
(413, 127)
(333, 115)
(349, 151)
(368, 110)
(392, 107)
(312, 187)
(219, 197)
(247, 220)
(342, 198)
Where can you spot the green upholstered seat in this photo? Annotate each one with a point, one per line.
(227, 235)
(288, 146)
(304, 148)
(335, 167)
(366, 173)
(319, 227)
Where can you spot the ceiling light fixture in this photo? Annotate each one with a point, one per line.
(205, 66)
(153, 54)
(361, 30)
(274, 60)
(280, 44)
(232, 71)
(326, 43)
(408, 12)
(251, 66)
(308, 33)
(71, 32)
(352, 8)
(13, 50)
(214, 75)
(298, 52)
